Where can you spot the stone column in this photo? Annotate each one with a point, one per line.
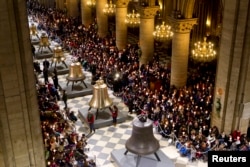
(86, 12)
(102, 19)
(232, 78)
(20, 129)
(72, 8)
(146, 39)
(180, 50)
(42, 2)
(121, 27)
(60, 4)
(48, 3)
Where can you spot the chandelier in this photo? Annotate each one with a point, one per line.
(203, 51)
(133, 19)
(91, 3)
(162, 32)
(109, 9)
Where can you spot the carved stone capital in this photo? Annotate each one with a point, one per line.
(148, 12)
(122, 3)
(182, 25)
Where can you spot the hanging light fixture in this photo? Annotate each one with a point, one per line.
(91, 3)
(109, 9)
(203, 51)
(163, 32)
(133, 19)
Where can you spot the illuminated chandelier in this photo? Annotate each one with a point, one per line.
(109, 9)
(91, 3)
(133, 19)
(162, 32)
(203, 51)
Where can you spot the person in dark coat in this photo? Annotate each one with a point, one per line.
(55, 78)
(46, 74)
(248, 133)
(65, 98)
(46, 63)
(33, 49)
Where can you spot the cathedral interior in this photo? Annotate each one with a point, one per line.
(199, 91)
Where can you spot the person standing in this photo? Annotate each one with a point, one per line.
(91, 121)
(114, 114)
(33, 49)
(46, 63)
(55, 78)
(65, 98)
(46, 74)
(248, 132)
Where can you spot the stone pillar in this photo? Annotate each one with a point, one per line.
(180, 50)
(121, 27)
(48, 3)
(102, 19)
(146, 39)
(60, 4)
(42, 2)
(20, 129)
(232, 85)
(72, 8)
(86, 12)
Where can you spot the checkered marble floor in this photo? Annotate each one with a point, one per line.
(106, 139)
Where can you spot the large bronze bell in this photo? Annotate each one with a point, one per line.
(142, 141)
(44, 42)
(33, 30)
(76, 74)
(100, 98)
(58, 56)
(75, 71)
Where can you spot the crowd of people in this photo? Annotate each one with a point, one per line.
(181, 114)
(64, 146)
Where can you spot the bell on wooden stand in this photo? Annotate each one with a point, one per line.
(44, 42)
(100, 99)
(58, 56)
(76, 74)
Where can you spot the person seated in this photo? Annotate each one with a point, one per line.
(185, 149)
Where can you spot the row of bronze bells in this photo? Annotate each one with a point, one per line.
(44, 40)
(100, 98)
(142, 140)
(75, 72)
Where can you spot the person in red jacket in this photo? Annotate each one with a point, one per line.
(114, 114)
(91, 121)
